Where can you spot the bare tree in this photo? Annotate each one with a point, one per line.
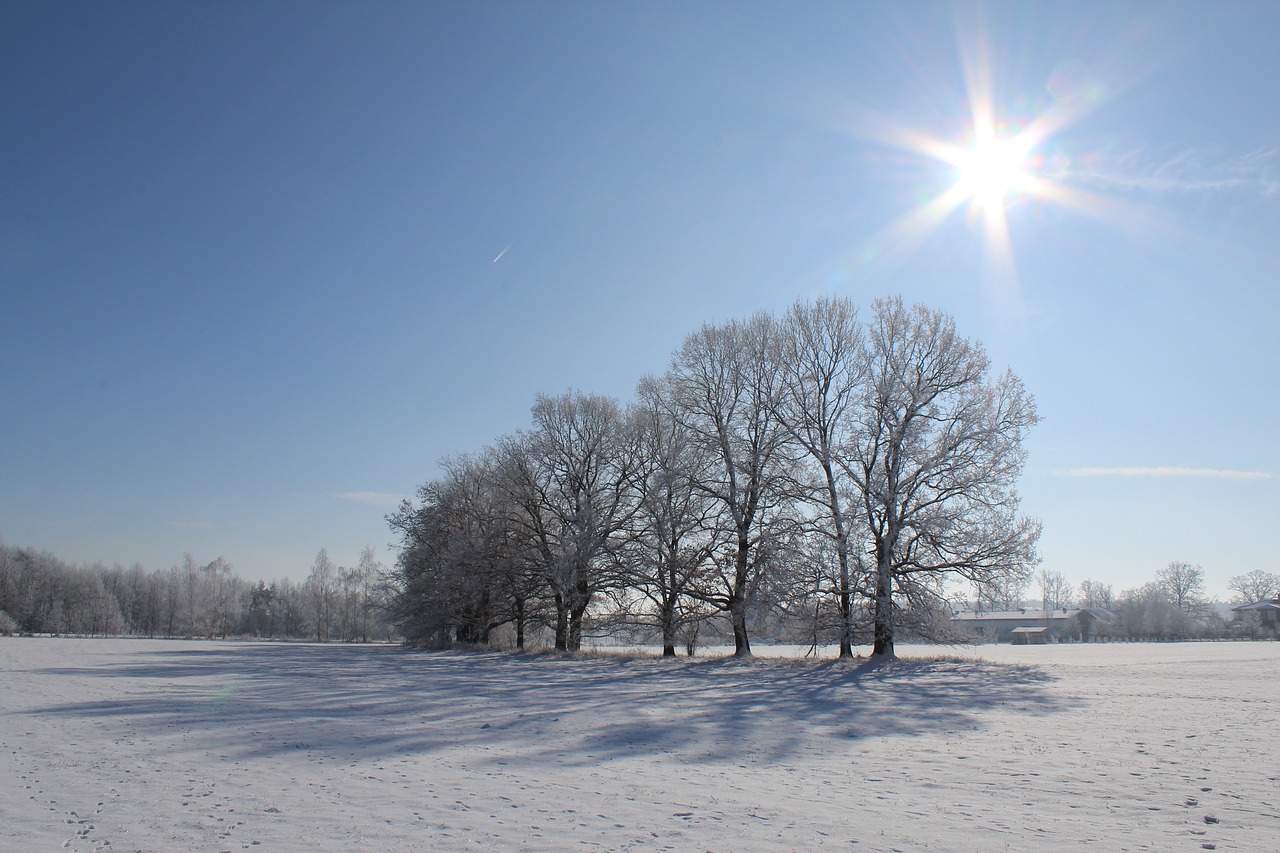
(456, 546)
(936, 463)
(823, 367)
(322, 590)
(571, 483)
(367, 574)
(1257, 585)
(722, 386)
(1183, 583)
(675, 532)
(1147, 613)
(190, 578)
(1095, 594)
(222, 601)
(1055, 589)
(1003, 591)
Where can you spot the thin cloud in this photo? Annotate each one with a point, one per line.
(1201, 473)
(191, 525)
(1191, 171)
(378, 499)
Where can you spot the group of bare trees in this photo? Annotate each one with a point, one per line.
(345, 603)
(811, 463)
(1172, 606)
(40, 593)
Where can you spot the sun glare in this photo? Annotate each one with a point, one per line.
(1002, 160)
(992, 170)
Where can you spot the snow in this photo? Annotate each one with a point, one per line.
(168, 745)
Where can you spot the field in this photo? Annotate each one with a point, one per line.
(171, 745)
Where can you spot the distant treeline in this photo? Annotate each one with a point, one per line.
(42, 594)
(1173, 606)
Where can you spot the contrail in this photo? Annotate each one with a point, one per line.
(503, 252)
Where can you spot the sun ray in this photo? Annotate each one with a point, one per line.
(904, 236)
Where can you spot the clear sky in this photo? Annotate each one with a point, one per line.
(263, 264)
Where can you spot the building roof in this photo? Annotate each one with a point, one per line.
(1026, 630)
(1273, 604)
(1015, 615)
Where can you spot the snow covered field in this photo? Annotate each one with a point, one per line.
(171, 745)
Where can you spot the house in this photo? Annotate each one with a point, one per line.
(1010, 626)
(1261, 614)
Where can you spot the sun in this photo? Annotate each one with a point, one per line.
(1002, 166)
(992, 170)
(997, 164)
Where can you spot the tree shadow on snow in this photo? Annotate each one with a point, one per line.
(362, 702)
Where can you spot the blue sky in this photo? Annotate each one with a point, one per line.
(249, 295)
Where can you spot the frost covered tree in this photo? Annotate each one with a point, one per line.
(224, 597)
(364, 585)
(1055, 589)
(570, 481)
(722, 386)
(1149, 613)
(321, 594)
(1002, 592)
(936, 460)
(462, 571)
(822, 365)
(675, 531)
(1096, 594)
(1183, 583)
(1257, 585)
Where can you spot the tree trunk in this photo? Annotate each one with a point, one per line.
(738, 604)
(581, 599)
(575, 630)
(842, 552)
(519, 606)
(846, 596)
(884, 612)
(741, 642)
(668, 627)
(483, 622)
(846, 616)
(562, 624)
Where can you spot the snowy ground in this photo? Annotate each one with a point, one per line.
(171, 745)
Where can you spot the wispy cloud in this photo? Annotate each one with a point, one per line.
(1189, 171)
(191, 525)
(1168, 471)
(378, 499)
